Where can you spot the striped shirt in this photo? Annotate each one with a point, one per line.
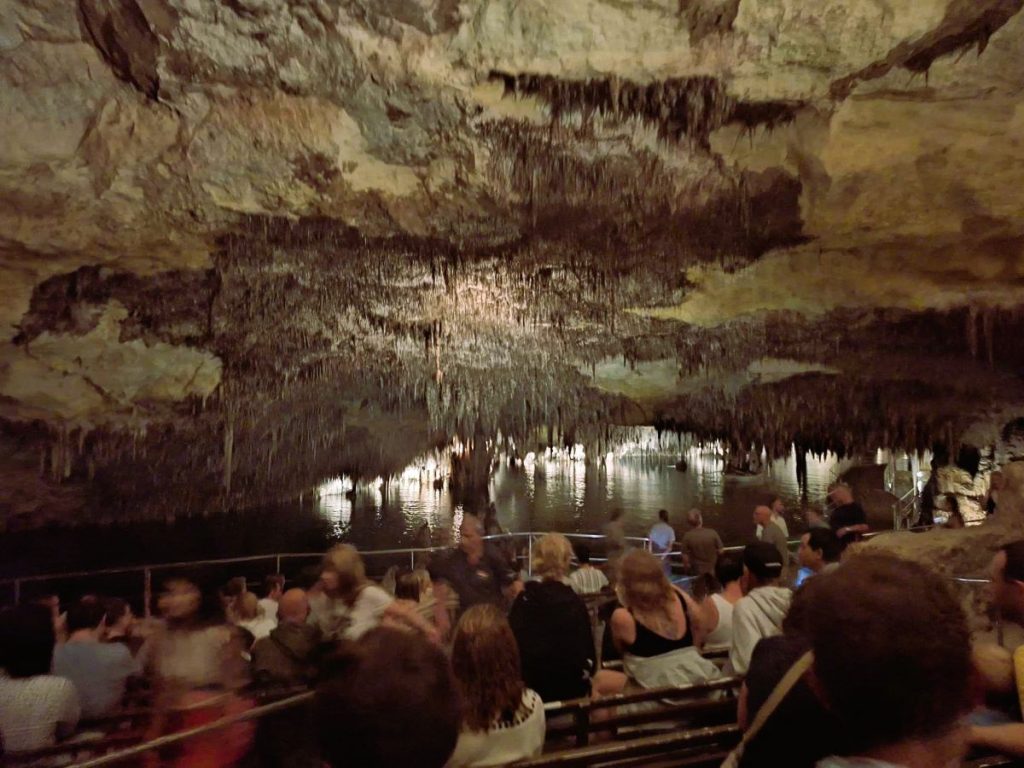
(587, 580)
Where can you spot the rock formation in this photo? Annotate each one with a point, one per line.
(245, 244)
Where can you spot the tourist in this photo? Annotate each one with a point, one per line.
(778, 508)
(37, 709)
(475, 571)
(771, 533)
(701, 546)
(250, 616)
(414, 606)
(273, 588)
(350, 604)
(655, 630)
(586, 580)
(815, 519)
(502, 719)
(717, 607)
(100, 671)
(288, 655)
(198, 668)
(663, 538)
(121, 625)
(552, 626)
(614, 542)
(391, 703)
(760, 612)
(1007, 596)
(819, 553)
(892, 663)
(848, 519)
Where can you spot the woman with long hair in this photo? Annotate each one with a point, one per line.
(349, 604)
(502, 719)
(552, 626)
(656, 632)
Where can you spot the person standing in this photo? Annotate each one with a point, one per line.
(701, 546)
(778, 516)
(771, 533)
(663, 538)
(848, 519)
(614, 542)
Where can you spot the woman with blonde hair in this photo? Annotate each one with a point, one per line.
(349, 605)
(502, 719)
(552, 626)
(656, 630)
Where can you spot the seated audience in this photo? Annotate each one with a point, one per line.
(100, 671)
(350, 605)
(586, 580)
(892, 663)
(414, 594)
(1007, 595)
(250, 616)
(391, 703)
(701, 546)
(273, 588)
(37, 709)
(819, 553)
(653, 631)
(289, 655)
(717, 607)
(475, 570)
(760, 612)
(552, 626)
(502, 719)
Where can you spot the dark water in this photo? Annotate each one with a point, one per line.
(562, 494)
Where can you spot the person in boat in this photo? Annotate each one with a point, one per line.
(655, 630)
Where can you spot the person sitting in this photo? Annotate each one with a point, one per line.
(717, 607)
(653, 631)
(1007, 595)
(552, 626)
(273, 588)
(391, 701)
(848, 519)
(663, 538)
(701, 546)
(502, 719)
(475, 570)
(760, 612)
(250, 616)
(288, 655)
(37, 709)
(891, 663)
(99, 670)
(819, 553)
(121, 625)
(350, 604)
(586, 579)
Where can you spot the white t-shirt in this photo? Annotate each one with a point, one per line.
(503, 743)
(269, 608)
(31, 708)
(337, 620)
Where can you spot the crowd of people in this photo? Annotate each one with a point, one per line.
(848, 658)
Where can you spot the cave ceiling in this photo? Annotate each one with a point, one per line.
(248, 245)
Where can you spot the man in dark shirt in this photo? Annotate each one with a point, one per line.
(847, 519)
(475, 571)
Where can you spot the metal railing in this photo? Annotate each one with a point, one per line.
(146, 571)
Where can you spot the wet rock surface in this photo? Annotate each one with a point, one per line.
(246, 245)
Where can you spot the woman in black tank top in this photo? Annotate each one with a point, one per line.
(653, 620)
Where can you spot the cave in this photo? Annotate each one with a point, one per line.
(259, 253)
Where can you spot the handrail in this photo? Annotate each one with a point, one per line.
(216, 725)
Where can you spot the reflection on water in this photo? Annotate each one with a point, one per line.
(567, 491)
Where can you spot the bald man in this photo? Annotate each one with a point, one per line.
(772, 533)
(289, 655)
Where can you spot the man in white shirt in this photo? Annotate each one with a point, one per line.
(760, 612)
(663, 538)
(273, 586)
